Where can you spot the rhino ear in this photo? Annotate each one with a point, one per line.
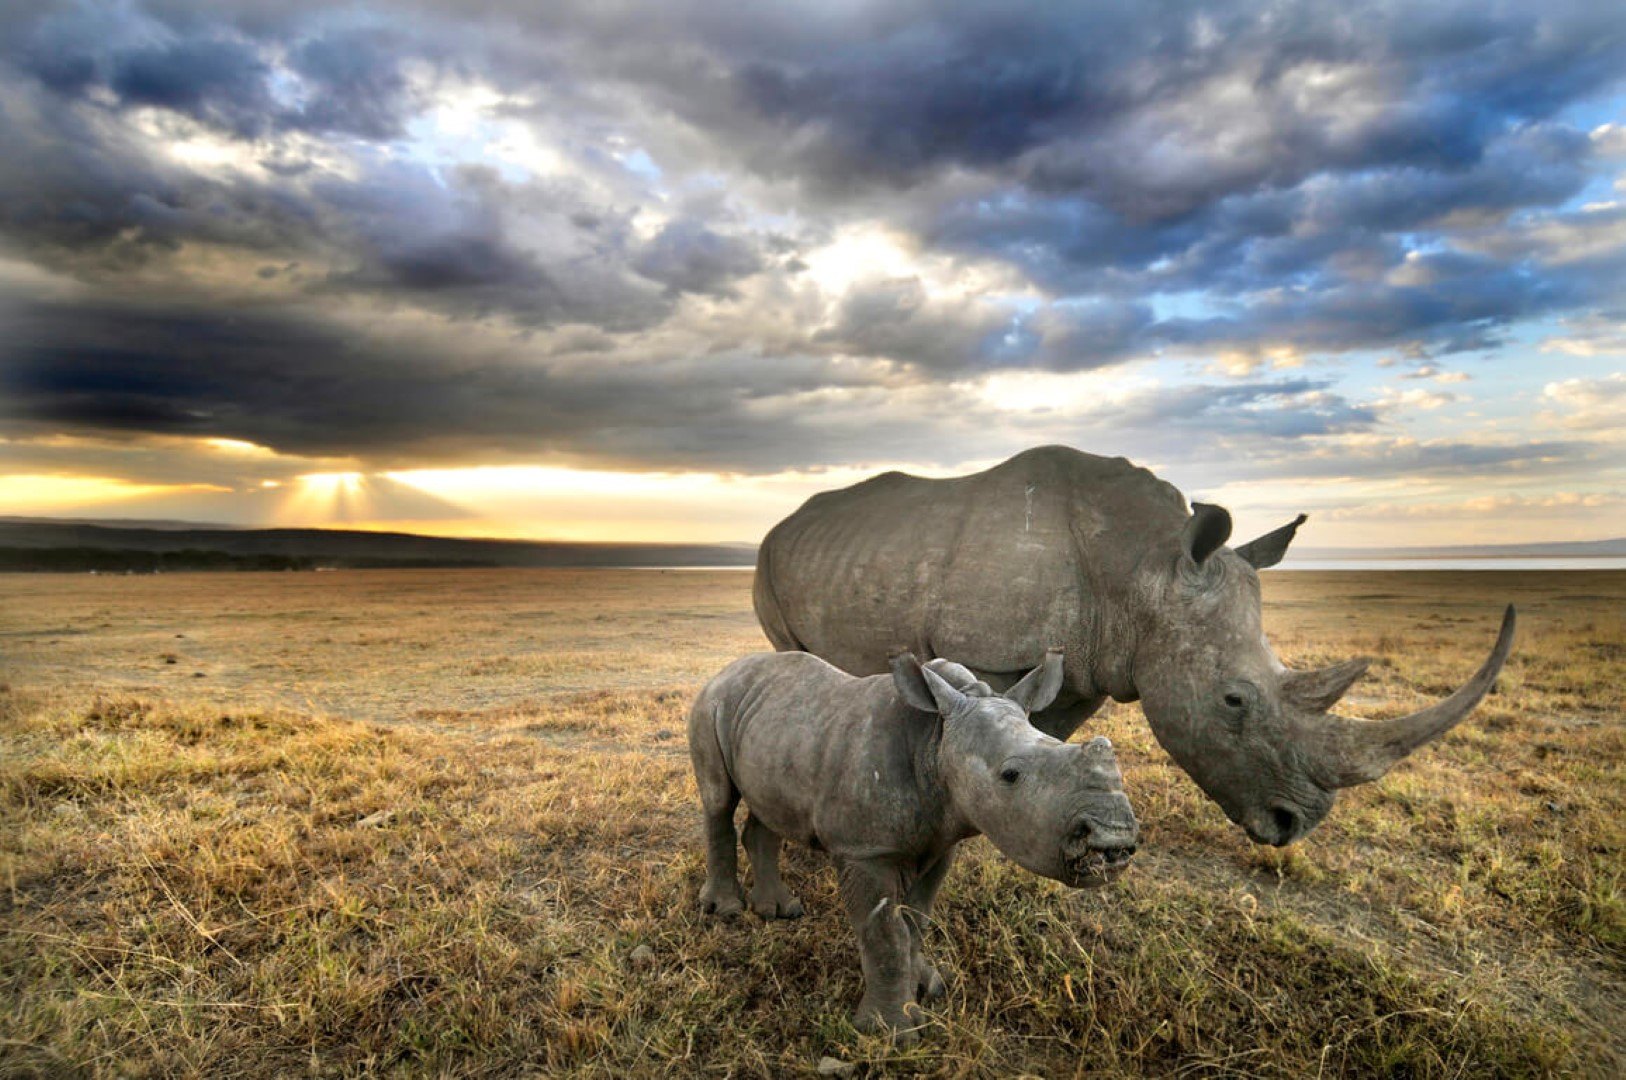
(1268, 549)
(1040, 686)
(909, 678)
(947, 699)
(1206, 531)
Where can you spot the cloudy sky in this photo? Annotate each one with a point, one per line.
(659, 270)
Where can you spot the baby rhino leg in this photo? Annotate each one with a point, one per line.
(721, 893)
(718, 797)
(871, 892)
(919, 900)
(769, 898)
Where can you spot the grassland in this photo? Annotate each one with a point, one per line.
(422, 823)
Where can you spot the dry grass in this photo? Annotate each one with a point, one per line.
(416, 823)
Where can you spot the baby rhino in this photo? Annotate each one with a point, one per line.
(888, 774)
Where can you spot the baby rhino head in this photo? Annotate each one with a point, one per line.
(1056, 808)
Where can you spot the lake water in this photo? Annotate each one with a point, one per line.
(1611, 562)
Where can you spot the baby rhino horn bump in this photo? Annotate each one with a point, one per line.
(1358, 751)
(1319, 690)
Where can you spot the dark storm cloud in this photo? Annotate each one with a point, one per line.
(1260, 238)
(469, 244)
(894, 318)
(313, 388)
(78, 192)
(1249, 408)
(239, 71)
(1156, 109)
(319, 390)
(97, 202)
(1444, 303)
(217, 81)
(1079, 334)
(1139, 178)
(686, 256)
(354, 83)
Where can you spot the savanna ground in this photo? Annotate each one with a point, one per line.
(422, 823)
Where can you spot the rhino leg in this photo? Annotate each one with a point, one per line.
(769, 898)
(1066, 716)
(871, 891)
(721, 894)
(918, 912)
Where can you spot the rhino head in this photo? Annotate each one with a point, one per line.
(1259, 738)
(1055, 808)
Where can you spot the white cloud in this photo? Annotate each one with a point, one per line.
(1395, 400)
(1594, 336)
(1593, 405)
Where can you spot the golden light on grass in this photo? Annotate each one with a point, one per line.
(416, 823)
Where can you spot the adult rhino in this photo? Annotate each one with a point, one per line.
(1056, 547)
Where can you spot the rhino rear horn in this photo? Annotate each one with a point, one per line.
(1319, 690)
(1266, 551)
(1206, 531)
(1359, 751)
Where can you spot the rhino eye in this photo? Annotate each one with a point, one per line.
(1239, 700)
(1010, 774)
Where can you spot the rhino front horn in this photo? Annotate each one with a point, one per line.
(1359, 751)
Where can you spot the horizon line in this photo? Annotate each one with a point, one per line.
(1510, 550)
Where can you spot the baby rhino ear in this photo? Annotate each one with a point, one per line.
(1040, 686)
(910, 681)
(924, 688)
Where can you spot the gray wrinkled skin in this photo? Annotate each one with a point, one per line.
(1059, 547)
(888, 774)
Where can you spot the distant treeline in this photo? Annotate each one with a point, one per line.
(70, 560)
(316, 548)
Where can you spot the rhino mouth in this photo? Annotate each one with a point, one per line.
(1091, 867)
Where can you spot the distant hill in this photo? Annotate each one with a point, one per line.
(119, 523)
(53, 544)
(24, 542)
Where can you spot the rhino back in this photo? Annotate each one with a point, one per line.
(987, 569)
(827, 759)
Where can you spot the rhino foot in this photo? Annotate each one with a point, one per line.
(929, 985)
(775, 905)
(722, 899)
(903, 1026)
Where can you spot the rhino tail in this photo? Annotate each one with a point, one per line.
(769, 614)
(711, 749)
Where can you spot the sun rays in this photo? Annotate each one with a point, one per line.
(362, 500)
(325, 498)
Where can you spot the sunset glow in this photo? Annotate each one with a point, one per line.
(74, 495)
